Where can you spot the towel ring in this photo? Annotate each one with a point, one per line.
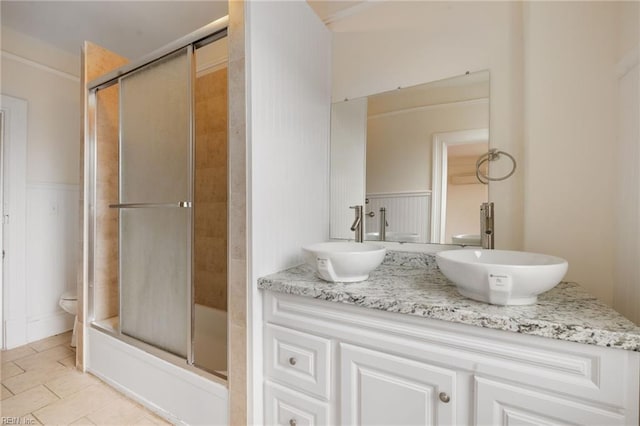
(493, 155)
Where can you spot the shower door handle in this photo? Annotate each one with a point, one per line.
(180, 204)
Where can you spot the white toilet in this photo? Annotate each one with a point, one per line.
(69, 302)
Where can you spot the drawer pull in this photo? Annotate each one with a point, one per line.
(444, 397)
(293, 422)
(293, 361)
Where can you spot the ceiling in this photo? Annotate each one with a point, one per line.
(331, 10)
(129, 28)
(132, 28)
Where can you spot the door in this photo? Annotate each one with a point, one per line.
(505, 404)
(2, 280)
(155, 196)
(14, 213)
(382, 389)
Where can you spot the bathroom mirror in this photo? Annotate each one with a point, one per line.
(409, 156)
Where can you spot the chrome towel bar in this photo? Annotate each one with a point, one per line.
(180, 204)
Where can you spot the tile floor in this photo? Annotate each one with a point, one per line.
(40, 385)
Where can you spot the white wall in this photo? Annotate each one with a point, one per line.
(570, 57)
(47, 79)
(290, 110)
(288, 66)
(553, 106)
(400, 145)
(626, 292)
(391, 44)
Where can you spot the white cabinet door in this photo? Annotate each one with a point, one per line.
(382, 389)
(505, 404)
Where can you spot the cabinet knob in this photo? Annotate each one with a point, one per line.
(444, 397)
(292, 361)
(293, 422)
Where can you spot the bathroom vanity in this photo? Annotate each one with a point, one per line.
(404, 347)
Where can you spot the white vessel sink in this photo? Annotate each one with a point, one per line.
(344, 261)
(501, 277)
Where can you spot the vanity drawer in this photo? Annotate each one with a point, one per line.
(288, 408)
(299, 360)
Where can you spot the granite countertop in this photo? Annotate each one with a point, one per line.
(412, 284)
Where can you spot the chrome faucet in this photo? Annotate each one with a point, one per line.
(383, 224)
(486, 225)
(358, 223)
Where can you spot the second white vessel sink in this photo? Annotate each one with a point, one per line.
(501, 277)
(344, 261)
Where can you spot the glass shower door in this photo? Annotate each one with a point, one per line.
(155, 226)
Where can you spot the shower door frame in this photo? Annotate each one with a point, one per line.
(208, 34)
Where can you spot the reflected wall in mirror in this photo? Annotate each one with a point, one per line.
(409, 157)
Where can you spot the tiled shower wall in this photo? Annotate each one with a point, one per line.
(106, 301)
(238, 378)
(210, 202)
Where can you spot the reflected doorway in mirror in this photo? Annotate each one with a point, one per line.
(457, 192)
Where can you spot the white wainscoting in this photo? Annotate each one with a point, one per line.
(51, 256)
(407, 212)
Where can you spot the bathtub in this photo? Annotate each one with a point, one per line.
(175, 391)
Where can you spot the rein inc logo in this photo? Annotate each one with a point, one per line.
(17, 421)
